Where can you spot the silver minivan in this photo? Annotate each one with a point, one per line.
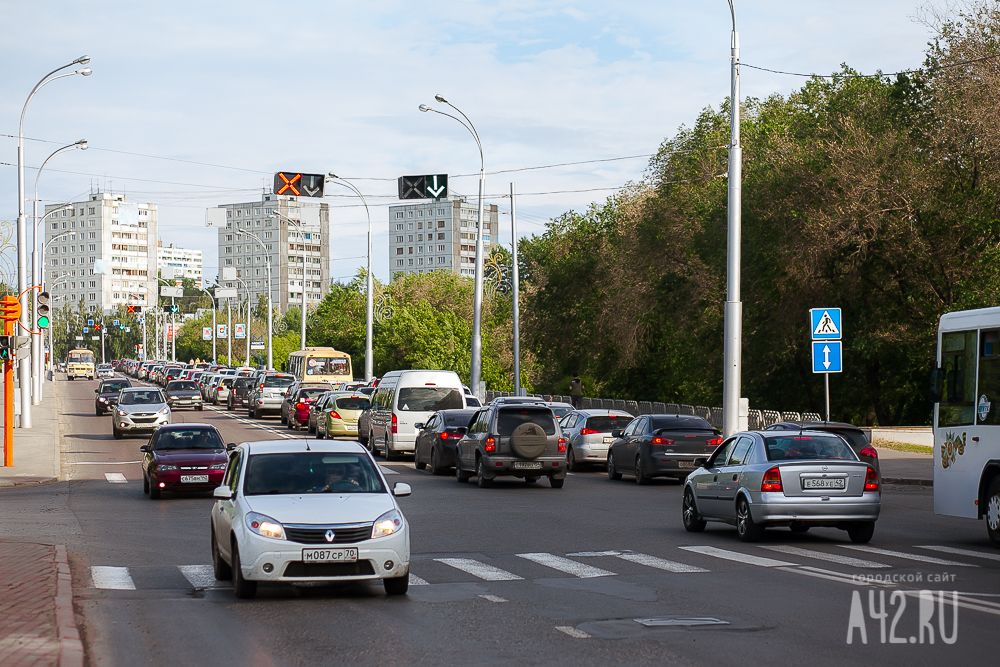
(404, 399)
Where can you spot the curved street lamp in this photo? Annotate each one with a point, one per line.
(733, 317)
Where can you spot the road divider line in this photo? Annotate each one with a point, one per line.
(115, 477)
(738, 557)
(572, 632)
(200, 576)
(478, 569)
(111, 578)
(822, 555)
(906, 556)
(961, 552)
(659, 563)
(566, 565)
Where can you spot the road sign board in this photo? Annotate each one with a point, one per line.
(225, 293)
(95, 338)
(239, 331)
(128, 329)
(428, 186)
(90, 323)
(206, 333)
(299, 184)
(133, 309)
(79, 337)
(827, 356)
(257, 344)
(117, 323)
(825, 324)
(176, 292)
(222, 331)
(87, 329)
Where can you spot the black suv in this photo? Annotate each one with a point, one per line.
(854, 435)
(513, 440)
(107, 394)
(238, 392)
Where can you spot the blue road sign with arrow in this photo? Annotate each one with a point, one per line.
(827, 356)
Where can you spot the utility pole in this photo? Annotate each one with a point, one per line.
(733, 327)
(515, 279)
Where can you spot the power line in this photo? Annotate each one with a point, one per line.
(879, 75)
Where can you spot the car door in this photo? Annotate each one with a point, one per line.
(706, 481)
(470, 441)
(422, 445)
(618, 447)
(634, 442)
(729, 477)
(225, 510)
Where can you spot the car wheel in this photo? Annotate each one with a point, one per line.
(993, 511)
(155, 493)
(284, 419)
(461, 475)
(220, 568)
(746, 529)
(861, 533)
(396, 585)
(557, 482)
(640, 476)
(693, 523)
(417, 463)
(251, 414)
(613, 473)
(243, 588)
(369, 442)
(115, 432)
(436, 467)
(483, 481)
(145, 484)
(312, 429)
(320, 434)
(571, 463)
(99, 413)
(200, 407)
(386, 452)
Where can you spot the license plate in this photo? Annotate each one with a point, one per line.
(824, 483)
(527, 465)
(194, 479)
(608, 440)
(685, 465)
(329, 555)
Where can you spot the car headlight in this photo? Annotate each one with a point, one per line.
(164, 411)
(389, 523)
(166, 468)
(217, 466)
(102, 399)
(265, 526)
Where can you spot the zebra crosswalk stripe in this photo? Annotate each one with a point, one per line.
(822, 555)
(906, 556)
(112, 578)
(566, 565)
(737, 556)
(962, 552)
(200, 576)
(478, 569)
(659, 563)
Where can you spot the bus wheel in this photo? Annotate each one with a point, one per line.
(993, 511)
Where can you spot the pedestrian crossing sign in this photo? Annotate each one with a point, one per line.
(825, 323)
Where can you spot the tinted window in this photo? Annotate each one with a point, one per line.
(508, 420)
(228, 381)
(608, 423)
(278, 381)
(312, 392)
(459, 418)
(807, 447)
(141, 397)
(561, 411)
(721, 455)
(109, 387)
(352, 403)
(185, 385)
(200, 438)
(429, 399)
(310, 472)
(682, 422)
(740, 451)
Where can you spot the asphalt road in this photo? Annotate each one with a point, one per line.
(598, 572)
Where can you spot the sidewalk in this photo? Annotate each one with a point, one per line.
(36, 450)
(906, 467)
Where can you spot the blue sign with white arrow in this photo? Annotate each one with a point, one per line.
(827, 356)
(825, 324)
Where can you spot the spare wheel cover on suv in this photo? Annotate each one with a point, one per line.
(528, 440)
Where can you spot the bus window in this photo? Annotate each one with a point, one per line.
(958, 361)
(988, 391)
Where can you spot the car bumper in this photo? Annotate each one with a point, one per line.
(339, 428)
(126, 423)
(170, 480)
(778, 508)
(287, 565)
(185, 403)
(267, 406)
(514, 467)
(668, 464)
(591, 452)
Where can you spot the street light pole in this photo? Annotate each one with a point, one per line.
(369, 283)
(477, 307)
(270, 308)
(302, 233)
(515, 279)
(733, 327)
(24, 364)
(247, 336)
(215, 358)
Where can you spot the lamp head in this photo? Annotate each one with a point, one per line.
(440, 99)
(86, 71)
(82, 144)
(82, 60)
(424, 108)
(332, 175)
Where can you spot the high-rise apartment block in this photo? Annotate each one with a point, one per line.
(259, 232)
(180, 262)
(101, 251)
(438, 235)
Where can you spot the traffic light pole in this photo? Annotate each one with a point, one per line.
(173, 332)
(8, 402)
(144, 350)
(103, 360)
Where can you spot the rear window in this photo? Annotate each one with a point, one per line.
(429, 399)
(857, 439)
(608, 423)
(228, 381)
(312, 393)
(354, 403)
(458, 418)
(278, 380)
(807, 447)
(509, 420)
(679, 423)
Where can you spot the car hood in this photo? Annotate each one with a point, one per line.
(142, 407)
(200, 457)
(323, 508)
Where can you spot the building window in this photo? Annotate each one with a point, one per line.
(399, 251)
(440, 224)
(399, 262)
(440, 236)
(399, 215)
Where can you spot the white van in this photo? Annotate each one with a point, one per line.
(404, 399)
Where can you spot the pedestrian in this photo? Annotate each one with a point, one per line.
(576, 391)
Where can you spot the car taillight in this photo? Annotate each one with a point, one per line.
(335, 415)
(562, 445)
(300, 406)
(221, 387)
(714, 442)
(871, 480)
(589, 431)
(660, 440)
(771, 480)
(869, 452)
(395, 424)
(491, 444)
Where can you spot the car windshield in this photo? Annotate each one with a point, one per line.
(195, 438)
(311, 472)
(353, 402)
(114, 387)
(278, 381)
(80, 357)
(807, 447)
(511, 419)
(561, 411)
(104, 367)
(328, 366)
(429, 399)
(607, 423)
(182, 385)
(141, 397)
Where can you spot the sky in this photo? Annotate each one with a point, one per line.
(196, 104)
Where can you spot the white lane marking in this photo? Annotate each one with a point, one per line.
(659, 563)
(822, 555)
(963, 601)
(839, 577)
(478, 569)
(493, 598)
(417, 581)
(961, 552)
(115, 477)
(905, 556)
(101, 463)
(738, 557)
(200, 576)
(572, 632)
(566, 565)
(112, 578)
(388, 471)
(589, 554)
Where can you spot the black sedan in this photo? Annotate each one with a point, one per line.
(107, 394)
(183, 394)
(183, 457)
(438, 438)
(661, 446)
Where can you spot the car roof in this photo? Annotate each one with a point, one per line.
(141, 389)
(183, 426)
(792, 425)
(303, 445)
(770, 433)
(599, 412)
(558, 404)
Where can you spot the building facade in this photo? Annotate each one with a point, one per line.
(282, 244)
(102, 251)
(439, 236)
(182, 262)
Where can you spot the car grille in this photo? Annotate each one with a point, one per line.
(143, 420)
(317, 534)
(194, 467)
(309, 570)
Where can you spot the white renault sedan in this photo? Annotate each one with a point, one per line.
(308, 511)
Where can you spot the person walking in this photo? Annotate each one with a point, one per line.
(576, 392)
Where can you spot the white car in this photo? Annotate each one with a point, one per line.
(105, 371)
(308, 511)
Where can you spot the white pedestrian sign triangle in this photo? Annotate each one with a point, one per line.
(826, 326)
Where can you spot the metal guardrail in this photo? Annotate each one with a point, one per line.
(757, 419)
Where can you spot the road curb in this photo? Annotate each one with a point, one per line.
(70, 645)
(905, 481)
(11, 482)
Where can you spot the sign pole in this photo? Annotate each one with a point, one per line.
(826, 378)
(229, 331)
(8, 402)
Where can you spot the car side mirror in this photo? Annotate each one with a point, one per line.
(418, 425)
(222, 492)
(462, 429)
(145, 448)
(617, 433)
(937, 383)
(230, 446)
(97, 391)
(399, 490)
(700, 461)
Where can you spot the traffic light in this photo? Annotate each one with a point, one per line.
(6, 348)
(10, 308)
(42, 311)
(133, 309)
(299, 184)
(172, 309)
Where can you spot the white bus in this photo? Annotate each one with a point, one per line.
(966, 388)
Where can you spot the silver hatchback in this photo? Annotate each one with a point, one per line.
(799, 479)
(588, 435)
